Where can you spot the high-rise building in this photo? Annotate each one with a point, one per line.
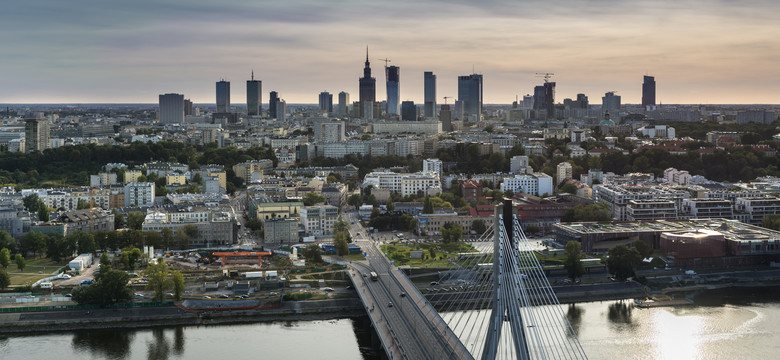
(582, 101)
(188, 107)
(254, 96)
(331, 132)
(470, 92)
(430, 94)
(36, 133)
(393, 74)
(549, 98)
(408, 111)
(343, 108)
(223, 96)
(564, 172)
(326, 101)
(171, 108)
(445, 117)
(648, 92)
(273, 99)
(538, 97)
(610, 101)
(367, 90)
(281, 110)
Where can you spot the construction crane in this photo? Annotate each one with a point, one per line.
(385, 60)
(447, 97)
(546, 76)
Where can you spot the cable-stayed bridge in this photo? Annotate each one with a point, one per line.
(493, 304)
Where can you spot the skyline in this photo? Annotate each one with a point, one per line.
(714, 52)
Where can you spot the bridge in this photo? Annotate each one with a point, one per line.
(494, 304)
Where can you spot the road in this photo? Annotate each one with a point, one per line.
(409, 317)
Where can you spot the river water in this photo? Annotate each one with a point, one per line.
(725, 324)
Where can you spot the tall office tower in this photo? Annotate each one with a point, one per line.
(281, 110)
(393, 92)
(343, 108)
(223, 96)
(36, 132)
(445, 117)
(470, 92)
(408, 111)
(549, 98)
(648, 92)
(430, 94)
(538, 97)
(367, 91)
(582, 101)
(187, 107)
(610, 101)
(254, 96)
(326, 101)
(171, 109)
(273, 99)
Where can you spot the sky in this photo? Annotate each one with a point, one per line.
(97, 51)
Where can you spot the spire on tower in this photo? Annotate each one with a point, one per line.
(253, 74)
(366, 53)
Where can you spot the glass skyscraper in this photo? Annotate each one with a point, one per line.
(223, 96)
(430, 94)
(393, 92)
(254, 97)
(648, 91)
(470, 92)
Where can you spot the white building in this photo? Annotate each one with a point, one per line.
(518, 164)
(535, 184)
(674, 176)
(318, 220)
(564, 172)
(404, 184)
(432, 166)
(139, 194)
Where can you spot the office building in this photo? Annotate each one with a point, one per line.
(430, 94)
(408, 111)
(326, 102)
(171, 109)
(610, 102)
(281, 110)
(432, 166)
(393, 74)
(223, 96)
(318, 220)
(36, 133)
(254, 96)
(281, 231)
(188, 110)
(367, 91)
(470, 92)
(343, 108)
(273, 99)
(536, 184)
(139, 194)
(648, 93)
(445, 117)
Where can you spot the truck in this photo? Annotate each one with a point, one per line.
(374, 276)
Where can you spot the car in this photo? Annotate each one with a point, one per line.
(207, 297)
(349, 287)
(272, 293)
(225, 296)
(390, 304)
(170, 294)
(68, 295)
(139, 296)
(328, 289)
(403, 294)
(434, 283)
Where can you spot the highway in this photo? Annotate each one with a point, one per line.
(416, 329)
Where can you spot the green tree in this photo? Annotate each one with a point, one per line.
(130, 257)
(5, 258)
(313, 198)
(31, 202)
(355, 200)
(105, 260)
(110, 286)
(594, 212)
(427, 206)
(312, 254)
(7, 241)
(20, 262)
(643, 248)
(771, 222)
(432, 253)
(167, 237)
(451, 233)
(43, 211)
(390, 205)
(135, 219)
(622, 261)
(340, 226)
(34, 242)
(478, 226)
(532, 229)
(572, 261)
(5, 279)
(159, 281)
(85, 241)
(82, 204)
(340, 241)
(178, 284)
(119, 220)
(568, 188)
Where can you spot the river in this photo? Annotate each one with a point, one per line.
(726, 324)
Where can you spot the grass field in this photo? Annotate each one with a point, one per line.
(35, 270)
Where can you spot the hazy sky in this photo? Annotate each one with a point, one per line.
(83, 51)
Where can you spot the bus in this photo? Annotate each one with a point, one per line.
(374, 276)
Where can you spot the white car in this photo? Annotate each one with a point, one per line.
(64, 276)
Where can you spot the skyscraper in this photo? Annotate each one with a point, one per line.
(430, 94)
(326, 101)
(610, 101)
(393, 74)
(171, 108)
(367, 90)
(36, 133)
(188, 107)
(254, 96)
(343, 103)
(281, 110)
(549, 98)
(648, 92)
(470, 92)
(445, 117)
(273, 98)
(408, 111)
(223, 96)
